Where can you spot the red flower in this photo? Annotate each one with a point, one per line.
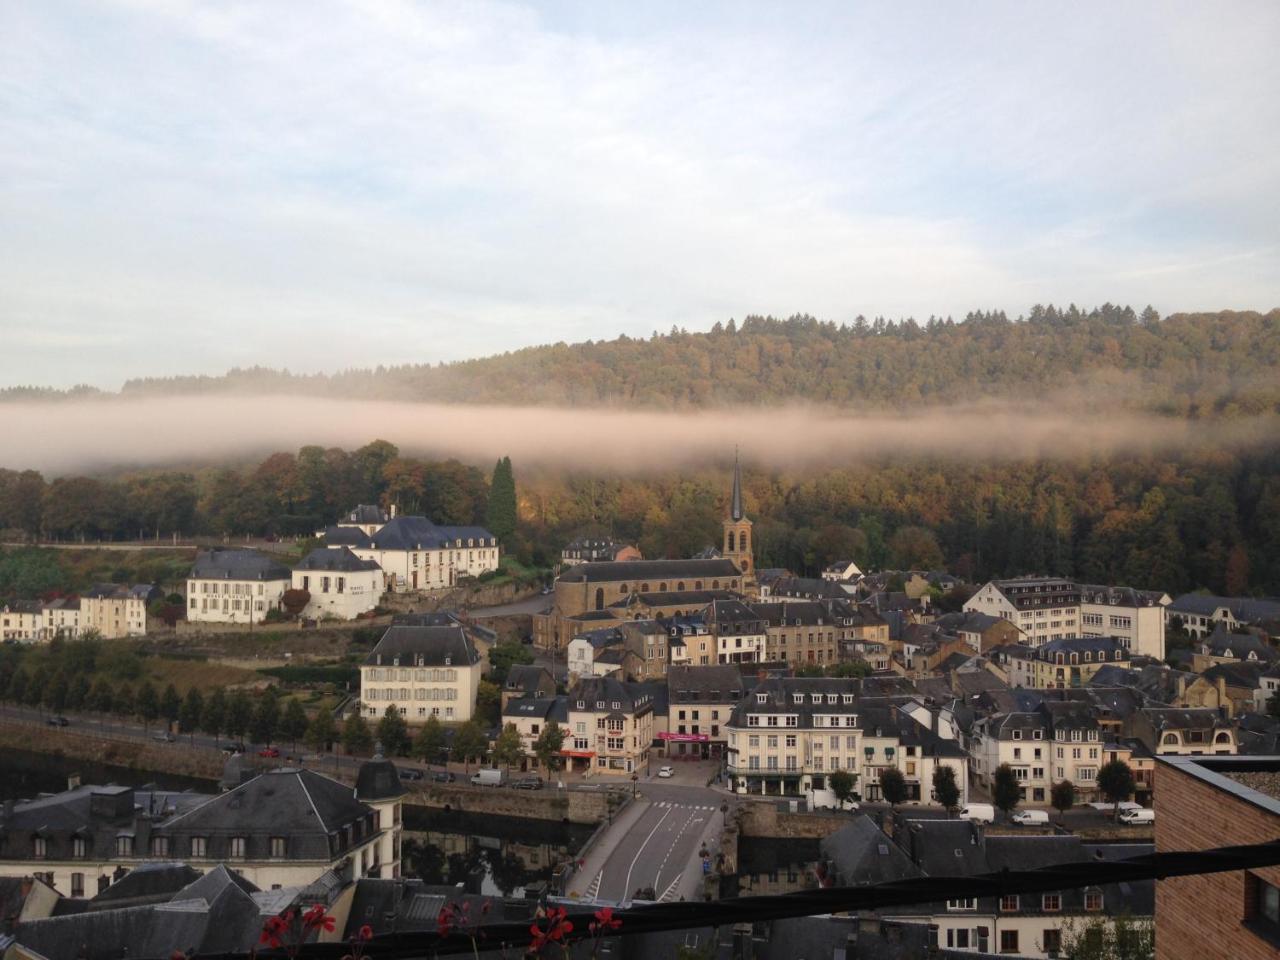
(316, 917)
(444, 922)
(557, 929)
(273, 930)
(605, 920)
(364, 933)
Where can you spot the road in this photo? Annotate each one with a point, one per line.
(529, 605)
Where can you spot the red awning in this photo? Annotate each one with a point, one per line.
(578, 754)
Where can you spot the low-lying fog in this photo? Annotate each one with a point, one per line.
(66, 437)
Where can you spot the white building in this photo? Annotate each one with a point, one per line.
(114, 611)
(416, 554)
(21, 622)
(61, 618)
(423, 672)
(342, 586)
(842, 571)
(1051, 608)
(235, 586)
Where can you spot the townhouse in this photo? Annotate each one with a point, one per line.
(1199, 614)
(738, 630)
(1062, 664)
(610, 726)
(1183, 731)
(701, 700)
(416, 554)
(424, 671)
(1057, 740)
(115, 611)
(800, 632)
(20, 622)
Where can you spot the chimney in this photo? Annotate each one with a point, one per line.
(1222, 694)
(1182, 687)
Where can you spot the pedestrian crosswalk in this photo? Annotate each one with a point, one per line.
(669, 894)
(682, 806)
(593, 890)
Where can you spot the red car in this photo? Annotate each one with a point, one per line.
(269, 752)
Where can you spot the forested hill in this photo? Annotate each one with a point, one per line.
(1183, 365)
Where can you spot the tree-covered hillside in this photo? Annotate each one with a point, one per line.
(1192, 365)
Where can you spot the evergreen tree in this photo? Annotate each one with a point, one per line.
(507, 749)
(429, 744)
(393, 732)
(501, 513)
(266, 718)
(214, 718)
(240, 716)
(191, 712)
(170, 704)
(356, 738)
(322, 731)
(148, 704)
(293, 726)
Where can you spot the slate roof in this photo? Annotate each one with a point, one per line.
(237, 565)
(713, 683)
(118, 591)
(335, 558)
(530, 708)
(527, 678)
(860, 854)
(648, 570)
(408, 534)
(1244, 609)
(690, 599)
(378, 779)
(807, 588)
(150, 882)
(366, 514)
(423, 646)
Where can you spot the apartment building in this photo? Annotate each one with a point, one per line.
(20, 622)
(1135, 617)
(115, 611)
(1058, 740)
(701, 700)
(282, 828)
(1183, 731)
(801, 632)
(1065, 664)
(1043, 608)
(738, 630)
(235, 586)
(424, 671)
(610, 726)
(1200, 614)
(789, 734)
(342, 586)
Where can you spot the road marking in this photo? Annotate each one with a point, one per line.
(671, 849)
(593, 890)
(626, 891)
(669, 893)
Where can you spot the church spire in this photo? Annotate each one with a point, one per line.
(735, 509)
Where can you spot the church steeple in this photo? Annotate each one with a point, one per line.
(735, 509)
(737, 528)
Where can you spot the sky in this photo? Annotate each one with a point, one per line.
(187, 187)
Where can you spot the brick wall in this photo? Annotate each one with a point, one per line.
(1201, 917)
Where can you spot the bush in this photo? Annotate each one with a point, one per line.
(276, 616)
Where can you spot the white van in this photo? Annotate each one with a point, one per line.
(978, 812)
(487, 777)
(1137, 816)
(1031, 817)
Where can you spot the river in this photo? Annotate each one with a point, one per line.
(24, 774)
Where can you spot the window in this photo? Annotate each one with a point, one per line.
(39, 848)
(1008, 941)
(967, 904)
(159, 846)
(237, 847)
(1009, 903)
(1051, 902)
(1265, 902)
(277, 848)
(1093, 900)
(1051, 942)
(79, 849)
(77, 884)
(199, 847)
(124, 846)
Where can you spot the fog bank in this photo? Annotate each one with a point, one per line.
(72, 437)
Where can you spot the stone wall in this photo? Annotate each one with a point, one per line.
(766, 820)
(575, 806)
(101, 748)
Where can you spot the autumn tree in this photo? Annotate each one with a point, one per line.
(548, 746)
(508, 749)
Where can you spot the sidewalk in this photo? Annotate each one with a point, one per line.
(601, 847)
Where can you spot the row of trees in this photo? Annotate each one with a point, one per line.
(433, 744)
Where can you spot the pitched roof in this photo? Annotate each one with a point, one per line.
(423, 646)
(334, 558)
(407, 534)
(859, 853)
(644, 570)
(237, 565)
(295, 801)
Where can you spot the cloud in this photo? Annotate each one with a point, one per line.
(195, 186)
(69, 437)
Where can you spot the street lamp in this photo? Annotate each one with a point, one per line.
(635, 777)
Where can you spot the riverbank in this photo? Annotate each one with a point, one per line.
(100, 747)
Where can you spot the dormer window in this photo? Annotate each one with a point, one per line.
(847, 698)
(582, 704)
(599, 704)
(448, 661)
(762, 698)
(798, 697)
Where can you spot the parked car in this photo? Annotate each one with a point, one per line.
(528, 783)
(408, 773)
(1132, 817)
(1031, 817)
(57, 721)
(269, 752)
(488, 777)
(231, 749)
(443, 776)
(666, 773)
(162, 737)
(978, 812)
